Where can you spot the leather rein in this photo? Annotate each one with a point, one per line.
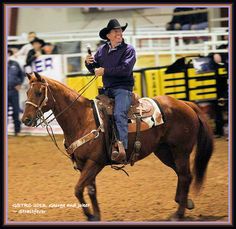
(39, 115)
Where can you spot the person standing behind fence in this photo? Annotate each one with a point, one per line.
(15, 79)
(27, 47)
(222, 57)
(50, 49)
(34, 53)
(114, 61)
(221, 104)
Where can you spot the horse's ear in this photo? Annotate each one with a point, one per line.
(28, 75)
(38, 76)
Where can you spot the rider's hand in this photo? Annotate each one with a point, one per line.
(89, 59)
(99, 71)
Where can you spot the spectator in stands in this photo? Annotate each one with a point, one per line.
(15, 50)
(199, 20)
(49, 48)
(114, 61)
(27, 47)
(180, 22)
(222, 57)
(34, 53)
(15, 79)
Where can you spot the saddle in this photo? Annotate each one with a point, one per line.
(142, 115)
(139, 108)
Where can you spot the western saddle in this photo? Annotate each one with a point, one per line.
(139, 109)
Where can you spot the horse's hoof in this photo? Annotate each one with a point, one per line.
(93, 218)
(190, 204)
(176, 217)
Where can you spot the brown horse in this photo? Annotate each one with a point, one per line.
(172, 142)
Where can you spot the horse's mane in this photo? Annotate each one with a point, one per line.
(73, 93)
(58, 82)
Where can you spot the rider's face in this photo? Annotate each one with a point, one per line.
(115, 36)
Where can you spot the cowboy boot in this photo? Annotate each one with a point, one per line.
(119, 156)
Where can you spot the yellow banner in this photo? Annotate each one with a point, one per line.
(159, 83)
(201, 93)
(145, 61)
(222, 71)
(78, 82)
(137, 83)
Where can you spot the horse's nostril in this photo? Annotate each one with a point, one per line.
(27, 121)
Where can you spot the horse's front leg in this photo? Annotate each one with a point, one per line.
(92, 192)
(88, 174)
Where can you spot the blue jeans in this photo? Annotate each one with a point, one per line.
(122, 104)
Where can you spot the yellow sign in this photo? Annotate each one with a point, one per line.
(222, 71)
(137, 83)
(79, 82)
(159, 83)
(145, 61)
(197, 86)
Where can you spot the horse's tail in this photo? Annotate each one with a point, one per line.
(204, 148)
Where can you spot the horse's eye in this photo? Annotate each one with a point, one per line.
(38, 94)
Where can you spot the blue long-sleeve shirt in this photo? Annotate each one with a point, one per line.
(118, 65)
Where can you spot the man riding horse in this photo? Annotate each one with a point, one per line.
(114, 61)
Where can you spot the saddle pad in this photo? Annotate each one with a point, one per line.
(156, 119)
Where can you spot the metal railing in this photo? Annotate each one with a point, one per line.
(170, 43)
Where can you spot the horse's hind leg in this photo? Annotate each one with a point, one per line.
(167, 156)
(164, 154)
(92, 192)
(184, 180)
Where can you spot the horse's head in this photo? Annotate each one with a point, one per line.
(38, 99)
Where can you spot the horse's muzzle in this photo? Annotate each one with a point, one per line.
(29, 121)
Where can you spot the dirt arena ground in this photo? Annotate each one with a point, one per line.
(41, 184)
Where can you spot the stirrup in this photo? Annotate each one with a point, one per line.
(114, 155)
(120, 155)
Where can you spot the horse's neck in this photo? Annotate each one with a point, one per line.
(77, 117)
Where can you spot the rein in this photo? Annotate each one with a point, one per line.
(83, 89)
(52, 136)
(40, 116)
(44, 102)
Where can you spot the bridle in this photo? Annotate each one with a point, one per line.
(44, 102)
(39, 112)
(39, 115)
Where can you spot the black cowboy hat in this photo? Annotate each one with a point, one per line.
(36, 39)
(112, 24)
